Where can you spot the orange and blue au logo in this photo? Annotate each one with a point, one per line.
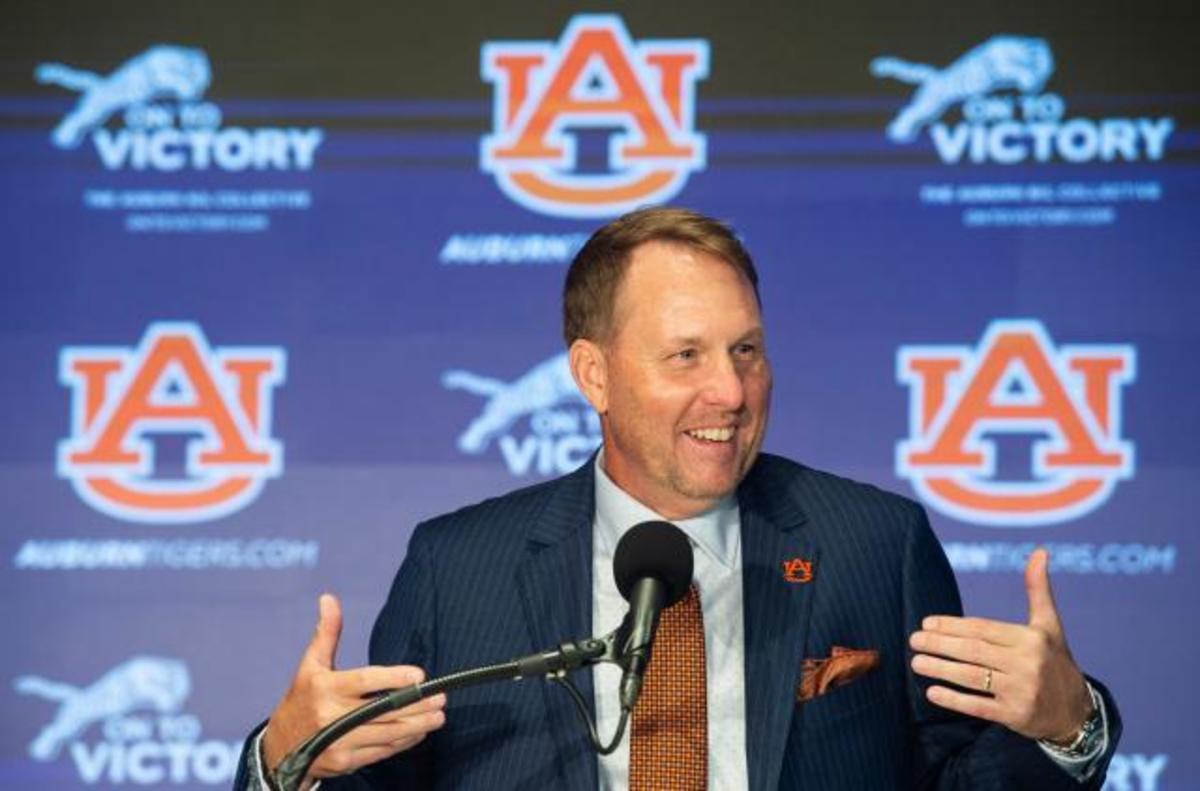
(124, 399)
(1066, 400)
(594, 77)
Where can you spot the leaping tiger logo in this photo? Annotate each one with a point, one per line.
(143, 683)
(1001, 62)
(545, 386)
(161, 72)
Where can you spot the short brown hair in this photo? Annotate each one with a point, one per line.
(589, 295)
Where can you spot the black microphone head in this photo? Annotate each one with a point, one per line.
(654, 549)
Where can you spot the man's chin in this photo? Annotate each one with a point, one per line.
(710, 488)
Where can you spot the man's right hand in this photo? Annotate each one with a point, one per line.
(319, 694)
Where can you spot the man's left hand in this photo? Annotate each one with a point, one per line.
(1027, 677)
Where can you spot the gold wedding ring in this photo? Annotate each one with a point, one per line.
(987, 680)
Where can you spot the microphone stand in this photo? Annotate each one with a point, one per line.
(553, 665)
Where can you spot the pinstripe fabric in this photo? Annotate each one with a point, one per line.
(512, 575)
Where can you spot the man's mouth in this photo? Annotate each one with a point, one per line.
(712, 434)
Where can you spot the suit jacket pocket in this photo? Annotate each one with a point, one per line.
(845, 702)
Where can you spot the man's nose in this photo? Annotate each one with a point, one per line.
(724, 387)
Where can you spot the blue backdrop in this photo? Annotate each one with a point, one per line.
(278, 285)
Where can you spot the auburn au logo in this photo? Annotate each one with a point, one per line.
(171, 384)
(595, 76)
(1067, 400)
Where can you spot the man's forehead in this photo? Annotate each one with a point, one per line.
(666, 259)
(660, 249)
(669, 278)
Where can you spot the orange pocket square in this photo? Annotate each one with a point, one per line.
(818, 676)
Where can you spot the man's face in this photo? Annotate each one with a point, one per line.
(687, 382)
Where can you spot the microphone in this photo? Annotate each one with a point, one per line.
(653, 569)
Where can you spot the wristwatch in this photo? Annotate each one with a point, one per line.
(1090, 733)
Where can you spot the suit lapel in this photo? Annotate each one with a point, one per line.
(555, 586)
(776, 615)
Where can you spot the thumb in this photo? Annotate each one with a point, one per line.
(1042, 610)
(323, 648)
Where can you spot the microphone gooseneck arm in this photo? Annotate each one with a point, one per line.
(554, 664)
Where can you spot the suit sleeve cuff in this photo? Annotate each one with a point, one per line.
(258, 779)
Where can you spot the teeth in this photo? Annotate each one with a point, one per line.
(712, 434)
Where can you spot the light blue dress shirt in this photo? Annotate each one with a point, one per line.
(716, 539)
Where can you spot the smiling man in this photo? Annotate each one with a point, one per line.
(820, 646)
(675, 364)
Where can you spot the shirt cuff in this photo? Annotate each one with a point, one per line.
(1084, 766)
(257, 776)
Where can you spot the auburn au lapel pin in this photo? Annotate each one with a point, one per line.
(798, 570)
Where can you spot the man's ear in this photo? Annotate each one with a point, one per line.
(589, 366)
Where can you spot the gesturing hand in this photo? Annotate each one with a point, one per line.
(1029, 680)
(320, 694)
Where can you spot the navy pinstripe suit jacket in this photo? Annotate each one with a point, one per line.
(512, 575)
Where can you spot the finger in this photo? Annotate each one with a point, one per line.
(412, 741)
(406, 743)
(340, 761)
(981, 706)
(322, 649)
(435, 703)
(382, 734)
(362, 681)
(995, 632)
(964, 649)
(960, 673)
(356, 758)
(1042, 611)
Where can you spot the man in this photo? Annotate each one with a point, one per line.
(832, 654)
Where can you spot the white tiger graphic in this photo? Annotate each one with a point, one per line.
(160, 72)
(137, 684)
(1001, 62)
(544, 386)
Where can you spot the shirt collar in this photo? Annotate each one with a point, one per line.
(717, 531)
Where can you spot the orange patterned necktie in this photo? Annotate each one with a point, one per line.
(668, 746)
